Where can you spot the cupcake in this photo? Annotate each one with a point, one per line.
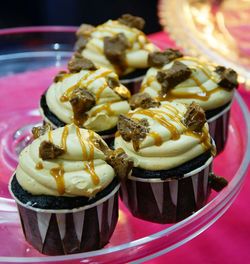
(172, 153)
(66, 188)
(119, 45)
(89, 96)
(173, 77)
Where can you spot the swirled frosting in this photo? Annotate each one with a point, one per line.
(201, 87)
(103, 116)
(80, 171)
(136, 55)
(169, 143)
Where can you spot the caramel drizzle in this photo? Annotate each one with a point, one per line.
(66, 95)
(58, 174)
(157, 138)
(64, 138)
(89, 166)
(50, 136)
(148, 82)
(39, 165)
(156, 115)
(106, 107)
(100, 90)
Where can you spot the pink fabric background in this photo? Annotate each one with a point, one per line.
(226, 241)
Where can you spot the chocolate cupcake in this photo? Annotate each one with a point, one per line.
(119, 45)
(173, 77)
(89, 96)
(172, 153)
(67, 191)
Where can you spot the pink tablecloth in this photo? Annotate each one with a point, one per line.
(226, 241)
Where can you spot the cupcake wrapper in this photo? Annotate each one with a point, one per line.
(166, 201)
(133, 85)
(218, 128)
(58, 232)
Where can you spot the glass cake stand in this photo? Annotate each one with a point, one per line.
(29, 58)
(216, 30)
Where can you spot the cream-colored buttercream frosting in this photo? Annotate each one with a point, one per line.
(103, 116)
(200, 87)
(135, 57)
(169, 142)
(80, 171)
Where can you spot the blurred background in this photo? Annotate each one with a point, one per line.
(16, 13)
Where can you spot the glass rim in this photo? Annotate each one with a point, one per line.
(222, 196)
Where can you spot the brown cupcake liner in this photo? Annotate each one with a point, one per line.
(59, 232)
(218, 128)
(167, 201)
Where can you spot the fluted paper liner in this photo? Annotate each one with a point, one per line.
(59, 232)
(218, 128)
(170, 200)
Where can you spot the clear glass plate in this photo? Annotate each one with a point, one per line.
(214, 29)
(29, 58)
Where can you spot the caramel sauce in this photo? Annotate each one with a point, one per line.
(65, 97)
(148, 82)
(89, 165)
(64, 138)
(50, 136)
(84, 150)
(100, 90)
(203, 136)
(156, 115)
(58, 174)
(157, 138)
(39, 165)
(106, 107)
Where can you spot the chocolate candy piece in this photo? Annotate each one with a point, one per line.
(228, 77)
(85, 30)
(160, 58)
(121, 163)
(168, 79)
(195, 117)
(132, 21)
(217, 183)
(81, 43)
(48, 151)
(114, 48)
(41, 130)
(59, 76)
(78, 63)
(143, 100)
(81, 101)
(131, 130)
(112, 82)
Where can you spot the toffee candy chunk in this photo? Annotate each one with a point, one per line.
(78, 63)
(84, 30)
(121, 163)
(228, 77)
(81, 101)
(48, 151)
(195, 117)
(41, 130)
(59, 76)
(143, 100)
(132, 21)
(160, 58)
(217, 183)
(114, 48)
(178, 73)
(131, 130)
